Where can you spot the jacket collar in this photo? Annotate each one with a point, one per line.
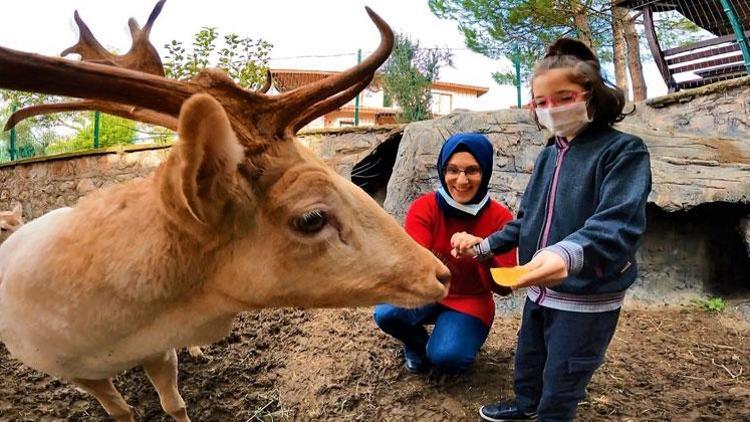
(591, 133)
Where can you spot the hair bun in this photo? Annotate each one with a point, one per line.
(572, 47)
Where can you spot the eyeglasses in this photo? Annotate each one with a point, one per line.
(471, 171)
(559, 99)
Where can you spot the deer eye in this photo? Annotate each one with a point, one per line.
(311, 222)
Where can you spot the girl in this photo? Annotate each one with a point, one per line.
(463, 319)
(577, 230)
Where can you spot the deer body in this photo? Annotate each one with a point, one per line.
(240, 216)
(71, 306)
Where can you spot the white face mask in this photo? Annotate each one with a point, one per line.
(567, 120)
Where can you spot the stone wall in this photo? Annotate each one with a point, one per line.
(343, 148)
(44, 184)
(41, 185)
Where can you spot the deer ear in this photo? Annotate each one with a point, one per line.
(205, 159)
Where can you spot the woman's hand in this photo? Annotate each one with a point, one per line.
(463, 244)
(546, 269)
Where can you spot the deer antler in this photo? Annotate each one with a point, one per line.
(266, 85)
(142, 55)
(257, 119)
(121, 110)
(306, 96)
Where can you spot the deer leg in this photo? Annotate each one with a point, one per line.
(196, 352)
(108, 396)
(162, 371)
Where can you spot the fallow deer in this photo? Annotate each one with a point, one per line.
(240, 216)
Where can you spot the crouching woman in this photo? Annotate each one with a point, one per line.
(463, 319)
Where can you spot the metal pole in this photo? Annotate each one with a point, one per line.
(12, 151)
(356, 99)
(517, 63)
(96, 129)
(739, 33)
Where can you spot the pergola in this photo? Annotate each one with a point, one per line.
(688, 66)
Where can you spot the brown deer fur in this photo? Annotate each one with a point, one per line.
(10, 221)
(228, 223)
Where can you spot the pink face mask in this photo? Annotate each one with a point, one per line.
(565, 120)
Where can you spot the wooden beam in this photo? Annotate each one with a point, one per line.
(733, 48)
(653, 43)
(701, 44)
(707, 64)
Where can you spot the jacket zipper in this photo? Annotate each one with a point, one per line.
(562, 150)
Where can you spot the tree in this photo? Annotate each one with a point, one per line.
(524, 29)
(635, 65)
(32, 135)
(408, 76)
(245, 60)
(113, 130)
(503, 28)
(619, 47)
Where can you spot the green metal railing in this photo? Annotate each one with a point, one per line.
(739, 32)
(31, 139)
(12, 151)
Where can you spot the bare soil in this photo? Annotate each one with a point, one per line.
(676, 363)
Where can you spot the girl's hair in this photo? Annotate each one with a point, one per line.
(605, 101)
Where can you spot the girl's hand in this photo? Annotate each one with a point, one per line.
(463, 244)
(546, 269)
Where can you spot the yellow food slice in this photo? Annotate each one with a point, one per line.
(508, 276)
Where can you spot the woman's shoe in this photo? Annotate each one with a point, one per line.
(415, 362)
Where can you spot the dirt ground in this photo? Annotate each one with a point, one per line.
(676, 363)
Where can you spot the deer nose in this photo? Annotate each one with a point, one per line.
(443, 274)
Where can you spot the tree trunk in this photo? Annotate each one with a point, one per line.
(581, 21)
(619, 15)
(634, 60)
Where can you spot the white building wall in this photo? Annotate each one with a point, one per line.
(444, 102)
(369, 99)
(318, 123)
(464, 100)
(457, 100)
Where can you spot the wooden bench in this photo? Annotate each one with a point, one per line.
(704, 62)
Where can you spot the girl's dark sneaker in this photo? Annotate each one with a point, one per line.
(504, 412)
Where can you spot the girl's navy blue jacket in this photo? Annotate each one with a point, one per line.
(586, 201)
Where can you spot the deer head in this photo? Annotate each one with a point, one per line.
(275, 226)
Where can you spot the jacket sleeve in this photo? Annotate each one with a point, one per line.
(507, 259)
(507, 238)
(502, 240)
(612, 234)
(419, 223)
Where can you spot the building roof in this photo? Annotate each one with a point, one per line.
(370, 110)
(289, 79)
(454, 87)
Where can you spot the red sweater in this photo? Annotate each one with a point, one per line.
(471, 283)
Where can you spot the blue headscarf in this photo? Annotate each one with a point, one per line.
(478, 146)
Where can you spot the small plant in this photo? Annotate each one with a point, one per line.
(714, 304)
